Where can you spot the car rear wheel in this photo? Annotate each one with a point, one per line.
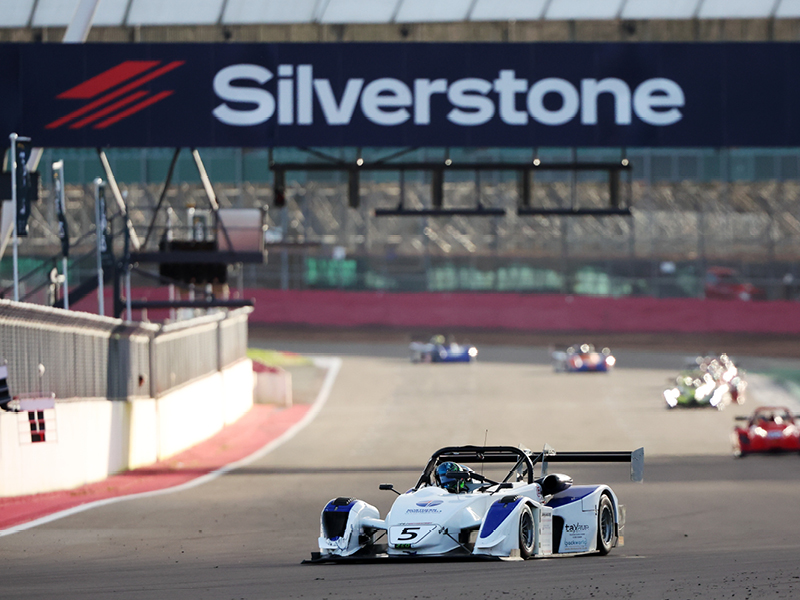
(736, 447)
(605, 526)
(527, 535)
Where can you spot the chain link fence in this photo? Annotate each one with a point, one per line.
(692, 209)
(79, 355)
(681, 220)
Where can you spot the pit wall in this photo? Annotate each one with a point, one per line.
(522, 312)
(86, 440)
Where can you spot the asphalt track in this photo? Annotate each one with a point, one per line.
(703, 525)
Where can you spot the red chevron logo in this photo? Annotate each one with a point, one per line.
(114, 94)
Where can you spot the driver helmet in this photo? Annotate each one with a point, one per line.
(447, 481)
(438, 340)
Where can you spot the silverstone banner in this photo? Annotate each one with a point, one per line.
(423, 94)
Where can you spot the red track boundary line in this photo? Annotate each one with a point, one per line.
(260, 426)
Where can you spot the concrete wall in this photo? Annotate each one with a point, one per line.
(87, 440)
(178, 420)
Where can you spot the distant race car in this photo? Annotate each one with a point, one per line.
(768, 429)
(713, 381)
(438, 350)
(583, 358)
(723, 283)
(455, 510)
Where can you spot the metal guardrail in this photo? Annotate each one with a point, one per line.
(80, 355)
(184, 351)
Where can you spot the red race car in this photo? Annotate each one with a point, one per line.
(768, 429)
(723, 283)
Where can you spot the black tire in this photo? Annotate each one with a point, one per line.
(606, 526)
(527, 533)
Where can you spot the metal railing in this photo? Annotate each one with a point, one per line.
(184, 351)
(79, 355)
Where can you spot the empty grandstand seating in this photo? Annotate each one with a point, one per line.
(129, 13)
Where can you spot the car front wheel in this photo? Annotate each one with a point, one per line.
(605, 526)
(527, 535)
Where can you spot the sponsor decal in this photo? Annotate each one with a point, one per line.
(468, 102)
(428, 503)
(422, 510)
(576, 537)
(114, 94)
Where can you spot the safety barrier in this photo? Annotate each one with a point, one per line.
(171, 387)
(523, 312)
(81, 441)
(80, 355)
(189, 349)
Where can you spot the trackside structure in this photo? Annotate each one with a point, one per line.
(373, 160)
(93, 396)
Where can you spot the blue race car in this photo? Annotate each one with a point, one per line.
(437, 350)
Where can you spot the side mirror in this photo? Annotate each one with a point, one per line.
(388, 487)
(554, 483)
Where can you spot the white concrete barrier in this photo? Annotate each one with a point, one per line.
(143, 446)
(86, 440)
(237, 386)
(273, 386)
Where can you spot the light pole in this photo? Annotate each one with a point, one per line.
(12, 162)
(100, 225)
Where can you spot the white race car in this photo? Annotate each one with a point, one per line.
(455, 511)
(583, 358)
(438, 351)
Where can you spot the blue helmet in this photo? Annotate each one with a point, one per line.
(446, 480)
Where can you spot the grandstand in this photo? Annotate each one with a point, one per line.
(409, 20)
(692, 207)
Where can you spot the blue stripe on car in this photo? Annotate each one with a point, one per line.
(498, 513)
(573, 494)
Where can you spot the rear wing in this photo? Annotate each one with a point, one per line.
(635, 458)
(795, 416)
(525, 460)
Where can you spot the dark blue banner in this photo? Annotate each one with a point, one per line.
(351, 94)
